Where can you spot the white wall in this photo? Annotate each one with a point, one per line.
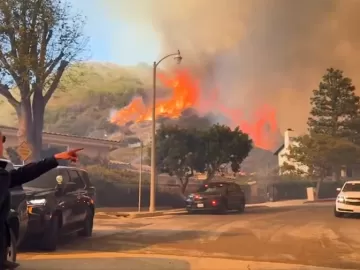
(288, 136)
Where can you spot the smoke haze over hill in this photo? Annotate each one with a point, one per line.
(256, 52)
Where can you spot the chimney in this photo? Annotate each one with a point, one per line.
(287, 136)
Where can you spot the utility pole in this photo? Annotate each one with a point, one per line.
(140, 176)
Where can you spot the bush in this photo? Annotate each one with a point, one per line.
(101, 173)
(289, 190)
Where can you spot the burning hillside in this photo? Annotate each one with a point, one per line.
(186, 93)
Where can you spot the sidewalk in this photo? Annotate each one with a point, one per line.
(322, 200)
(292, 202)
(115, 260)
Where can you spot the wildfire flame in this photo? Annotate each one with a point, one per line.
(186, 94)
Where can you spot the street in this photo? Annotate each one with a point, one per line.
(307, 235)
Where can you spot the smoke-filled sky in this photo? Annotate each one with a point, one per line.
(255, 51)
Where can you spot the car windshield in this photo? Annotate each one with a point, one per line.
(212, 188)
(351, 187)
(45, 181)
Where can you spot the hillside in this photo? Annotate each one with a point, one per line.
(91, 90)
(87, 95)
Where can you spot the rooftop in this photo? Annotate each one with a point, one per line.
(4, 128)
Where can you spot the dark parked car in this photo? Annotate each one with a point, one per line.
(62, 201)
(18, 217)
(217, 197)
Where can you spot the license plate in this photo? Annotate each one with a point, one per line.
(200, 205)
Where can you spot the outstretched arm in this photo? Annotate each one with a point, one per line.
(31, 171)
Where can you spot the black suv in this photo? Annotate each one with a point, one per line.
(217, 197)
(61, 201)
(18, 217)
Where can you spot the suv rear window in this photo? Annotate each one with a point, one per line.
(212, 188)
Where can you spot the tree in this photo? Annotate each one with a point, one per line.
(334, 105)
(182, 152)
(318, 155)
(178, 153)
(39, 39)
(222, 145)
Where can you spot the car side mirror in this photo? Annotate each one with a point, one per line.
(338, 189)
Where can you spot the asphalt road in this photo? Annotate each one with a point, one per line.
(307, 235)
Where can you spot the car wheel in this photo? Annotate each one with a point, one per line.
(222, 209)
(51, 235)
(12, 252)
(338, 214)
(88, 224)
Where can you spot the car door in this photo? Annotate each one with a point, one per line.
(239, 195)
(67, 200)
(89, 187)
(79, 210)
(231, 194)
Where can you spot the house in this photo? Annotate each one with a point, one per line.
(345, 172)
(284, 149)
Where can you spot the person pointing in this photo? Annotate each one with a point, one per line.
(13, 178)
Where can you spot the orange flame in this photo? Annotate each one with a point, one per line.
(187, 94)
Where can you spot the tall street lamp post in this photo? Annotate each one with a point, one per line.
(178, 58)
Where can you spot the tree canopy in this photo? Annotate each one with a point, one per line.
(319, 156)
(333, 126)
(222, 145)
(182, 151)
(334, 105)
(39, 39)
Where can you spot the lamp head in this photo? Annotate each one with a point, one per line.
(178, 57)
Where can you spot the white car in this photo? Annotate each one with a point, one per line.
(348, 200)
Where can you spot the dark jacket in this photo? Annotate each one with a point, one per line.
(18, 177)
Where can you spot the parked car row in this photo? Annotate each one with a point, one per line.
(62, 201)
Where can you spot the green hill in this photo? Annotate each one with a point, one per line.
(86, 95)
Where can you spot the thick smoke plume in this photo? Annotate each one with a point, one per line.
(256, 51)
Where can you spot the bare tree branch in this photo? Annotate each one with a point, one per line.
(52, 64)
(56, 80)
(4, 91)
(8, 67)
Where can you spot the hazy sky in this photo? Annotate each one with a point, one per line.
(114, 40)
(255, 52)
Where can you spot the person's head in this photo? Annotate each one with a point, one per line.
(2, 141)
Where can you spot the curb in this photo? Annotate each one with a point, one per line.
(140, 214)
(321, 200)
